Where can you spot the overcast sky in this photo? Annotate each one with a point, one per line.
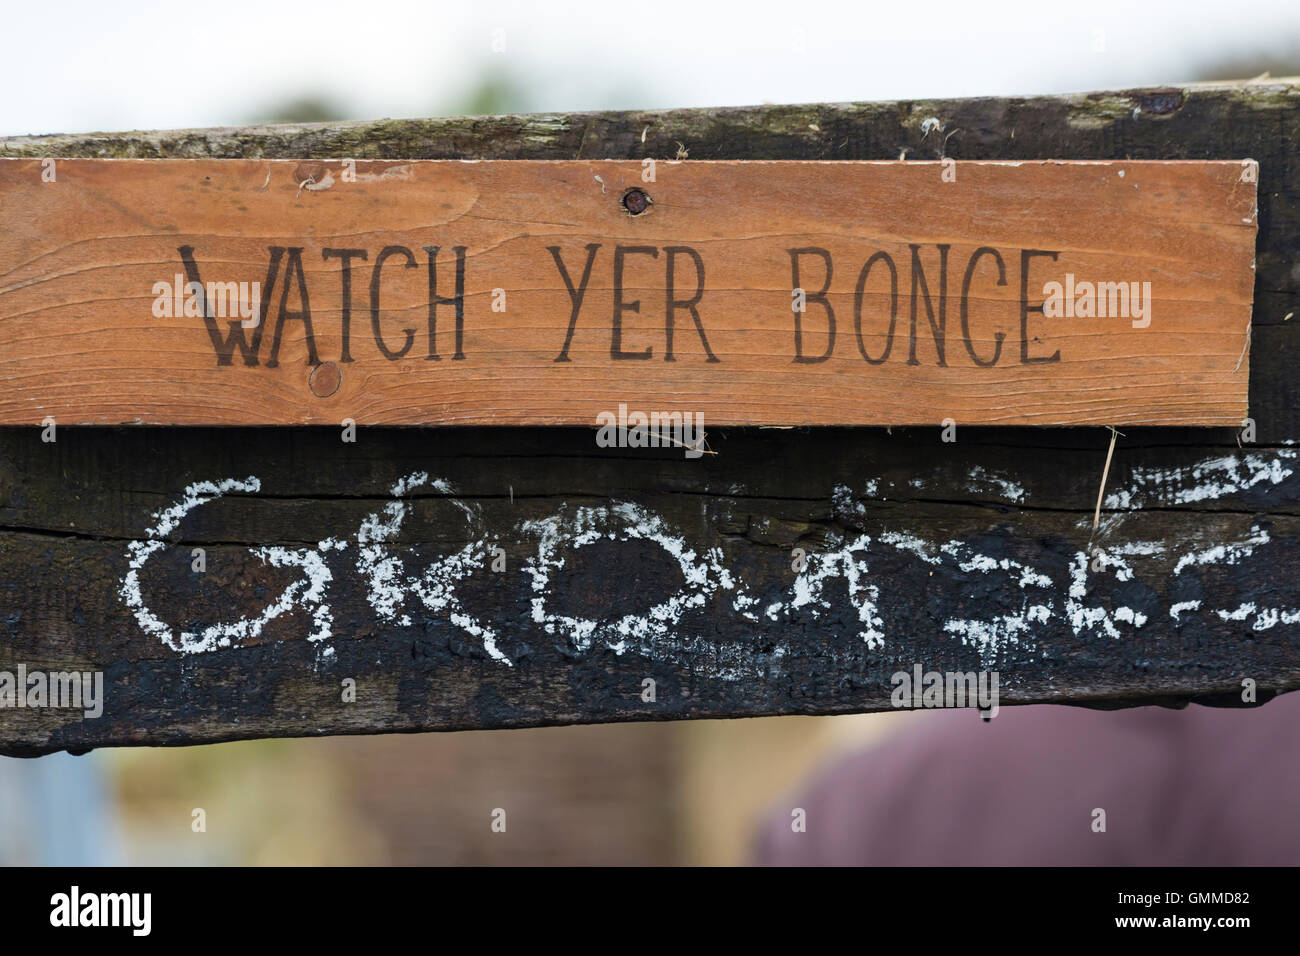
(73, 66)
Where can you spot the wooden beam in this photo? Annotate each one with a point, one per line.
(425, 292)
(972, 555)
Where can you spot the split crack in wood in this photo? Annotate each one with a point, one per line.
(1101, 492)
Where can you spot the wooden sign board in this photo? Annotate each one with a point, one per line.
(240, 292)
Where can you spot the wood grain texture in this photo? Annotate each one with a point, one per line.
(527, 293)
(1206, 528)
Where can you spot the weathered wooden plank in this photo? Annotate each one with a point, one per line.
(931, 580)
(1205, 529)
(514, 292)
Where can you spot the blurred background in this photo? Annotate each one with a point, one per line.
(633, 793)
(81, 66)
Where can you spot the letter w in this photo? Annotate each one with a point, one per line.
(225, 348)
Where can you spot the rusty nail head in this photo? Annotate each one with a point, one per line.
(635, 201)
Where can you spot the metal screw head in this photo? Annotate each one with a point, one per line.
(635, 201)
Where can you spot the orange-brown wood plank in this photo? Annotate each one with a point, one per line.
(522, 292)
